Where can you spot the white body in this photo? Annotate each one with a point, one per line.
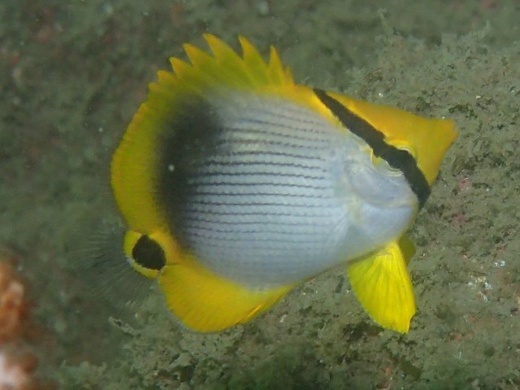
(286, 195)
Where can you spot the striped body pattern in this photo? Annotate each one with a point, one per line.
(272, 192)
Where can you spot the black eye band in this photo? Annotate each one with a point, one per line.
(396, 158)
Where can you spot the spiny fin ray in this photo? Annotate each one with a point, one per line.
(225, 68)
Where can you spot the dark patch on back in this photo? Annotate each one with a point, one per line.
(190, 138)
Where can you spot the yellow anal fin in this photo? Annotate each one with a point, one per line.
(205, 302)
(382, 285)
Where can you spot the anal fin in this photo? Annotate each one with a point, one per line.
(205, 302)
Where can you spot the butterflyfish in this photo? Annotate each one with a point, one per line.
(237, 184)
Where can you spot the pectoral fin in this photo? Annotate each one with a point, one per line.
(382, 284)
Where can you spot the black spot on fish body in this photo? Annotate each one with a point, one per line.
(148, 254)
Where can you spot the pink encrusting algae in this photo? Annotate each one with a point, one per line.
(17, 363)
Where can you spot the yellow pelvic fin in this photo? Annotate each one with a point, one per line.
(382, 285)
(205, 302)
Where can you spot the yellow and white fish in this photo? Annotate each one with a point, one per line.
(236, 185)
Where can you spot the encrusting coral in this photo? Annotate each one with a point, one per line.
(17, 363)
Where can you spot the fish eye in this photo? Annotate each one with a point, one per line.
(378, 161)
(406, 148)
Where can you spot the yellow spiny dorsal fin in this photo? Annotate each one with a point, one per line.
(224, 67)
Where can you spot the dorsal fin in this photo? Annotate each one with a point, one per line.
(224, 67)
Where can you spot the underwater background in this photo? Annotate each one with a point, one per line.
(73, 73)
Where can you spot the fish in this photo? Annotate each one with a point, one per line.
(236, 184)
